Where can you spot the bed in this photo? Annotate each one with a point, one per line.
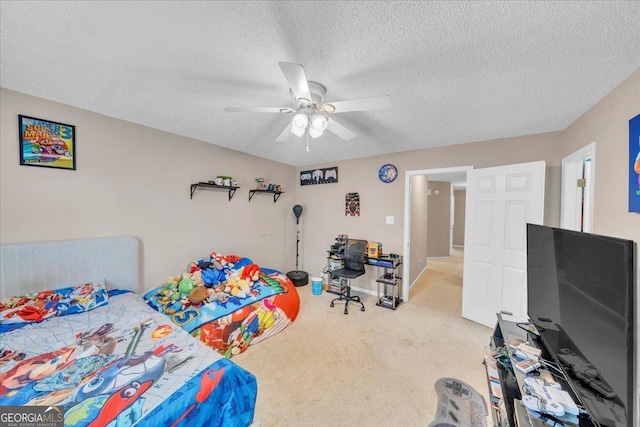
(79, 338)
(227, 302)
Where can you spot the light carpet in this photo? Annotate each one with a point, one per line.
(376, 367)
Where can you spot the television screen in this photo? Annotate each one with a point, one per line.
(581, 298)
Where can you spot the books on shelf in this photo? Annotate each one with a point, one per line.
(335, 264)
(337, 286)
(382, 263)
(388, 301)
(388, 278)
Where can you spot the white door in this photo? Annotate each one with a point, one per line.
(500, 201)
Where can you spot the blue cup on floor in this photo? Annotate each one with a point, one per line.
(316, 285)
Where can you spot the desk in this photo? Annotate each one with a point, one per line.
(390, 279)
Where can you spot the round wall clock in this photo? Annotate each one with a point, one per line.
(388, 173)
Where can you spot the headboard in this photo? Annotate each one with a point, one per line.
(34, 267)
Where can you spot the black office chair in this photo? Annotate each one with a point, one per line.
(354, 253)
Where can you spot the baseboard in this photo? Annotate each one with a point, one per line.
(365, 291)
(439, 257)
(418, 277)
(458, 246)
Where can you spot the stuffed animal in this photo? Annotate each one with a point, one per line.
(212, 277)
(186, 284)
(193, 267)
(198, 294)
(169, 291)
(241, 262)
(250, 272)
(238, 287)
(196, 276)
(218, 295)
(218, 260)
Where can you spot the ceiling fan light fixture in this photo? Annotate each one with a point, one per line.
(297, 130)
(304, 101)
(314, 133)
(319, 122)
(300, 120)
(329, 108)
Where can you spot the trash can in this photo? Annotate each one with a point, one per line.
(316, 285)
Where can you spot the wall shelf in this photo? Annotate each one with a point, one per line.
(231, 190)
(276, 194)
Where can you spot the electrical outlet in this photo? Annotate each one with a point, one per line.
(390, 220)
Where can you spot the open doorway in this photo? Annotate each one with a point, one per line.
(418, 195)
(446, 196)
(578, 178)
(500, 201)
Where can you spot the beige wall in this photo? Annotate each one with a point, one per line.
(438, 219)
(607, 123)
(419, 224)
(325, 203)
(134, 180)
(458, 216)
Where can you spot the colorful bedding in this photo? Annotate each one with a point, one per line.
(123, 364)
(17, 312)
(228, 302)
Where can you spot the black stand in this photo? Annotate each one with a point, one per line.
(299, 278)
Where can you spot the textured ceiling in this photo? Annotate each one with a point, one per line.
(456, 71)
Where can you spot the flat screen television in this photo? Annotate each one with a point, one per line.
(582, 299)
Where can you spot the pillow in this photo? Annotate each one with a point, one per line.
(19, 311)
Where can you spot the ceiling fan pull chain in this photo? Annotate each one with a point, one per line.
(307, 139)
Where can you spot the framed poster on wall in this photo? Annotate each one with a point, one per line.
(319, 176)
(634, 164)
(46, 143)
(352, 204)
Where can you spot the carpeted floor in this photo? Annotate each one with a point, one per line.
(376, 367)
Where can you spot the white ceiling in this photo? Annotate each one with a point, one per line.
(456, 71)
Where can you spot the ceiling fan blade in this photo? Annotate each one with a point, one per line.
(340, 130)
(373, 103)
(297, 80)
(258, 110)
(285, 135)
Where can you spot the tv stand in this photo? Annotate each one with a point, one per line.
(506, 382)
(585, 372)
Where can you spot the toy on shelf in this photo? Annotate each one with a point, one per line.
(260, 185)
(224, 180)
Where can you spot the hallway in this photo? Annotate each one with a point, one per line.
(440, 286)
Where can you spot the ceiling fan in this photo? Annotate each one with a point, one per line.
(313, 115)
